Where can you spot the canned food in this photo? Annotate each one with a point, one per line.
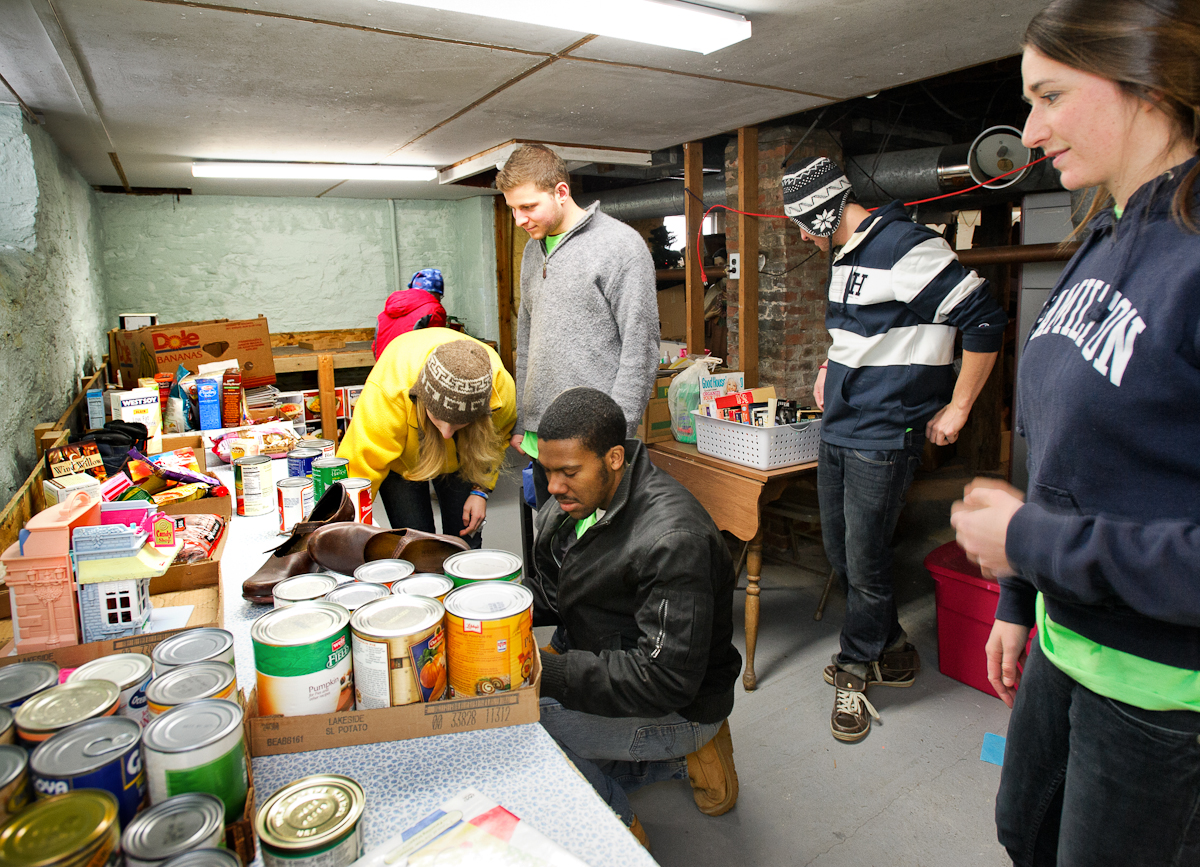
(253, 485)
(485, 564)
(208, 644)
(205, 858)
(489, 633)
(424, 584)
(299, 462)
(356, 594)
(328, 448)
(98, 754)
(295, 494)
(385, 572)
(21, 680)
(53, 709)
(15, 792)
(359, 491)
(399, 651)
(313, 822)
(131, 672)
(302, 659)
(191, 682)
(179, 824)
(326, 471)
(309, 587)
(78, 829)
(197, 747)
(7, 732)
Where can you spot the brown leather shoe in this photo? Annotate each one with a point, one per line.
(344, 547)
(292, 557)
(712, 774)
(639, 832)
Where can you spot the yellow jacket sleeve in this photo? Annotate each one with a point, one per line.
(382, 431)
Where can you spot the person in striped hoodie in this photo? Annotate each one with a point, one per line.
(897, 299)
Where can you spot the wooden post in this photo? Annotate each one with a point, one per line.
(40, 430)
(747, 161)
(328, 397)
(693, 179)
(504, 281)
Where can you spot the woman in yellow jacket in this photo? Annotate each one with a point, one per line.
(438, 406)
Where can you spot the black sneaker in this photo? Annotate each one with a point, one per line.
(894, 668)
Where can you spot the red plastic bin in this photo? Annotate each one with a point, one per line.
(966, 609)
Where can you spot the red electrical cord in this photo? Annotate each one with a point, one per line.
(700, 259)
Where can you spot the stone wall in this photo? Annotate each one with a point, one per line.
(792, 340)
(52, 305)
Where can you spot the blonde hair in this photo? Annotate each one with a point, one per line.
(479, 445)
(535, 164)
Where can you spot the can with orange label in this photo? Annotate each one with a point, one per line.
(489, 638)
(399, 652)
(359, 491)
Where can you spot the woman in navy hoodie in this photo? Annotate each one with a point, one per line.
(1102, 765)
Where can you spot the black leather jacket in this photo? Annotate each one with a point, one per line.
(646, 599)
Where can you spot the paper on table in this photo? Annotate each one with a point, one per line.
(175, 617)
(993, 749)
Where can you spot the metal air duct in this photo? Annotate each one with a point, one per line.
(659, 199)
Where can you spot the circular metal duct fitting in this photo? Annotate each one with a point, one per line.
(995, 151)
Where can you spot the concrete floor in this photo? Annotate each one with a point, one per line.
(914, 792)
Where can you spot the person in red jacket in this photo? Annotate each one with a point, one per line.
(418, 306)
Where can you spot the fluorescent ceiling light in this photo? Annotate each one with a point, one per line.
(314, 171)
(670, 23)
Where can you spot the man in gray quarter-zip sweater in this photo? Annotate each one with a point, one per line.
(589, 312)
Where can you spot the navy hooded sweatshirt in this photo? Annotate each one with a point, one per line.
(1109, 401)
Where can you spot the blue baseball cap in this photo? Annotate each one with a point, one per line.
(429, 279)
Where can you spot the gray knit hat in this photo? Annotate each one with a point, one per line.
(456, 382)
(815, 196)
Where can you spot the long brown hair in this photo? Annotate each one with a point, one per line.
(479, 445)
(1150, 48)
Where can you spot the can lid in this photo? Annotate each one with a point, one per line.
(310, 812)
(425, 584)
(190, 681)
(51, 830)
(384, 571)
(13, 760)
(356, 594)
(318, 444)
(303, 452)
(22, 679)
(252, 459)
(6, 719)
(178, 824)
(302, 623)
(205, 858)
(85, 747)
(294, 482)
(298, 588)
(331, 462)
(123, 669)
(397, 615)
(192, 726)
(483, 564)
(66, 704)
(489, 600)
(194, 645)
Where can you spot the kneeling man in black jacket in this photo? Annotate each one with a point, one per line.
(638, 681)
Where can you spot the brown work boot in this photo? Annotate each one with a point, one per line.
(849, 721)
(894, 668)
(712, 774)
(638, 831)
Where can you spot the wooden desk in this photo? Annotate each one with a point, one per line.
(734, 496)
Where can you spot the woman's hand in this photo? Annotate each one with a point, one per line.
(515, 441)
(473, 515)
(981, 520)
(1005, 651)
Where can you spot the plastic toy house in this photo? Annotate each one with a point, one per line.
(38, 574)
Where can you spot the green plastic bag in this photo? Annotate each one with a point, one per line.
(684, 396)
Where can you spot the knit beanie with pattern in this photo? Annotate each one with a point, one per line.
(815, 195)
(456, 382)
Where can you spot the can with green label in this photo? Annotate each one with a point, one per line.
(197, 747)
(326, 471)
(303, 661)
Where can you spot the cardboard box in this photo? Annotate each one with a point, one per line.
(663, 383)
(162, 348)
(58, 489)
(204, 573)
(170, 442)
(672, 312)
(277, 735)
(655, 425)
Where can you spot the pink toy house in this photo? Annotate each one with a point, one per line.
(39, 576)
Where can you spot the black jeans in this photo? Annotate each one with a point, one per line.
(408, 504)
(861, 494)
(1094, 782)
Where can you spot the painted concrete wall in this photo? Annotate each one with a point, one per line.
(52, 308)
(303, 263)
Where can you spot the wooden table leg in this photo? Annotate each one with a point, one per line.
(753, 572)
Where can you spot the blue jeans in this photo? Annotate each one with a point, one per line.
(618, 755)
(861, 494)
(408, 504)
(1094, 782)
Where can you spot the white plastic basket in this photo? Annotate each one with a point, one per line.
(764, 448)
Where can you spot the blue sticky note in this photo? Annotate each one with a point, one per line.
(993, 749)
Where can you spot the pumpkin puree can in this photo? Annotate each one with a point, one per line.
(303, 660)
(489, 630)
(399, 651)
